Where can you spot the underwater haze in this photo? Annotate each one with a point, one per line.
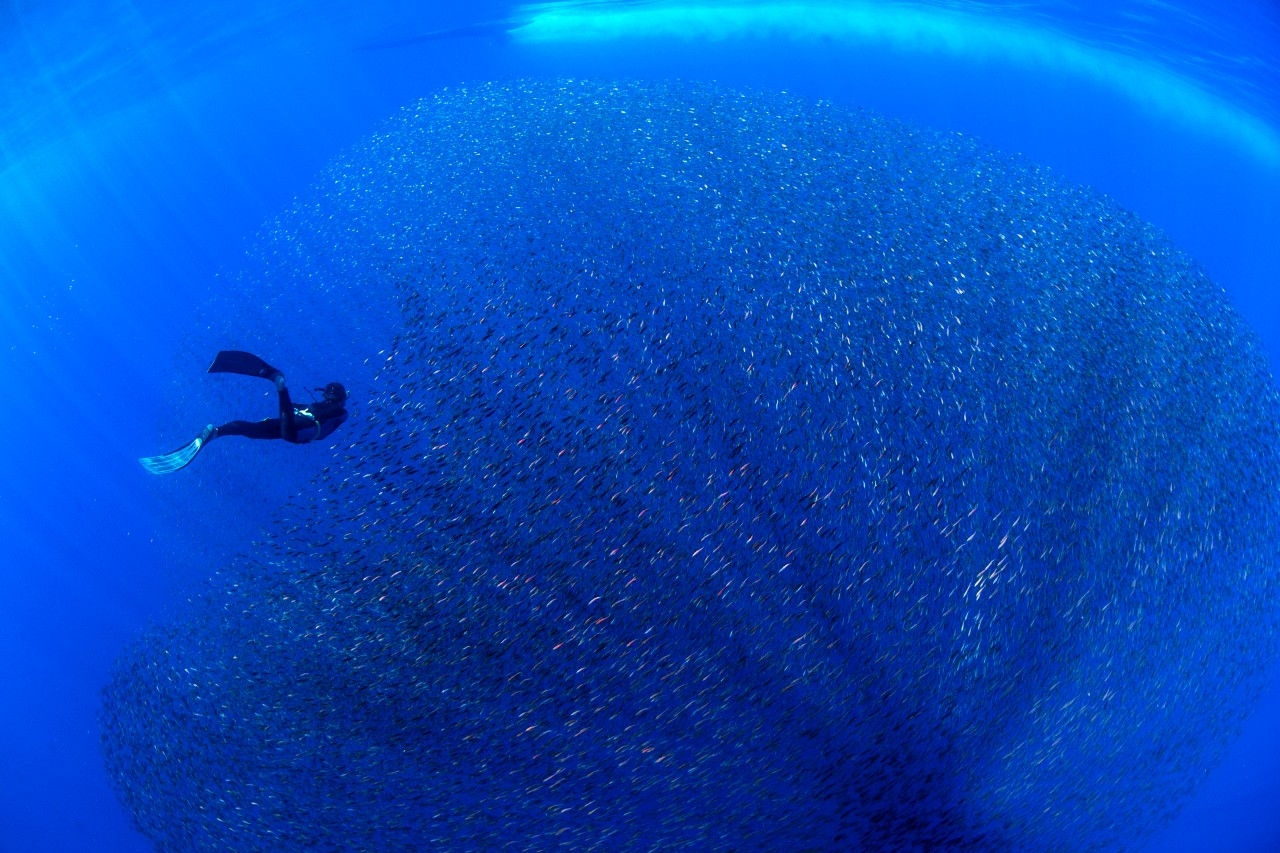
(844, 426)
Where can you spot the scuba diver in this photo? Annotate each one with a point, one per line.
(296, 424)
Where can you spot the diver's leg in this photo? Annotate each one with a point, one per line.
(269, 428)
(288, 429)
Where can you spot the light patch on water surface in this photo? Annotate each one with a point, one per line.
(912, 28)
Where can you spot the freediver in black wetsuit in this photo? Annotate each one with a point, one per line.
(296, 424)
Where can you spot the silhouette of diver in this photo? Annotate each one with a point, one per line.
(297, 424)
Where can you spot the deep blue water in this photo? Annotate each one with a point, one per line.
(144, 146)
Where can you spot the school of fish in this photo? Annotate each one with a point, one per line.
(747, 473)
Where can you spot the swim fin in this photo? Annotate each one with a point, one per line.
(244, 363)
(167, 463)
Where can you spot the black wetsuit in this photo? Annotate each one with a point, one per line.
(296, 424)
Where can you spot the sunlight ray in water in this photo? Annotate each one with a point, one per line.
(918, 28)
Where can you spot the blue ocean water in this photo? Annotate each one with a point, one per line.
(147, 148)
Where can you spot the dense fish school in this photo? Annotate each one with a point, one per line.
(748, 473)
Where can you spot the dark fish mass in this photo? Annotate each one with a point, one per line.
(747, 474)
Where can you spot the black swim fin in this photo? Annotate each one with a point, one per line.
(244, 363)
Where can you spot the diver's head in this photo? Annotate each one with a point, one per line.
(335, 393)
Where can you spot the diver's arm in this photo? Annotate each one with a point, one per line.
(330, 421)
